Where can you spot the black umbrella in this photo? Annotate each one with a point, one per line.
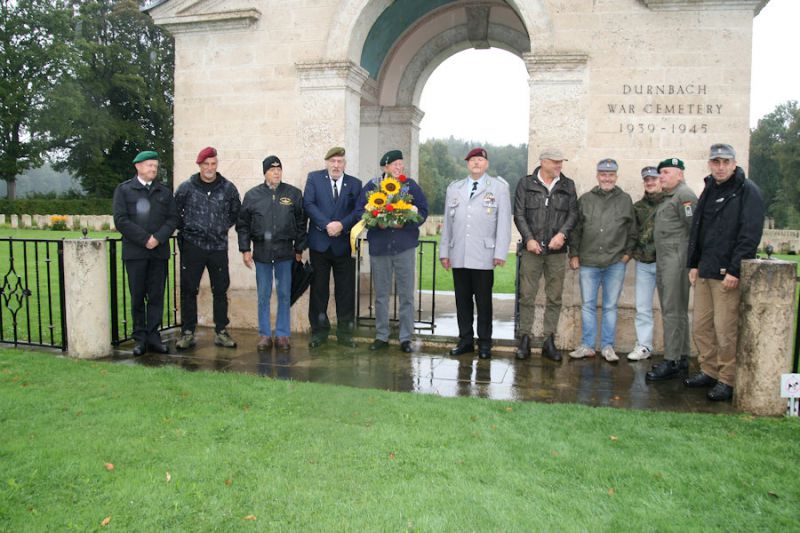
(301, 278)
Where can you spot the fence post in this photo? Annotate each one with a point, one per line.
(86, 293)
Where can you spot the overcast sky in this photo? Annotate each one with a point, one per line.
(496, 109)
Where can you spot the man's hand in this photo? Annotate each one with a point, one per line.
(625, 259)
(299, 256)
(334, 228)
(557, 242)
(730, 282)
(445, 262)
(692, 276)
(533, 247)
(574, 262)
(152, 242)
(247, 257)
(499, 262)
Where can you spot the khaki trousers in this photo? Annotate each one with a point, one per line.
(715, 328)
(531, 269)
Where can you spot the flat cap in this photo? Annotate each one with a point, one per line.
(270, 162)
(145, 156)
(673, 162)
(390, 157)
(607, 165)
(205, 153)
(553, 154)
(651, 172)
(721, 151)
(336, 151)
(476, 152)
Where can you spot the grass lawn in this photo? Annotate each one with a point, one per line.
(153, 449)
(503, 276)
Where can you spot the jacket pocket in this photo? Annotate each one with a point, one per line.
(488, 243)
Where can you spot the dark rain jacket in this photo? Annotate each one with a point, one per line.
(539, 214)
(140, 213)
(606, 229)
(204, 218)
(273, 221)
(729, 230)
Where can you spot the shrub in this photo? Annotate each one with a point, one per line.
(58, 223)
(46, 206)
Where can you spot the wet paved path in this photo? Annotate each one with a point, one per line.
(429, 371)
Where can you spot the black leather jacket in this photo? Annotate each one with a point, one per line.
(204, 218)
(139, 213)
(274, 221)
(539, 214)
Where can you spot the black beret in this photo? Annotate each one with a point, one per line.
(390, 157)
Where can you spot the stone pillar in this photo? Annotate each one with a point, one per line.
(86, 293)
(330, 114)
(764, 350)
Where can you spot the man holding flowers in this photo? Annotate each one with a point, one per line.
(393, 207)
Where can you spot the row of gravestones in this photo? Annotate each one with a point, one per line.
(91, 222)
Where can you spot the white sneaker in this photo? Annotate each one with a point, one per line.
(581, 352)
(639, 353)
(610, 355)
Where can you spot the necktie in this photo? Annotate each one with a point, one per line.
(335, 191)
(474, 188)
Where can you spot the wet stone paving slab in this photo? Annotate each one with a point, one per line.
(429, 370)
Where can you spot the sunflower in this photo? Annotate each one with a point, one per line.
(376, 200)
(390, 186)
(402, 205)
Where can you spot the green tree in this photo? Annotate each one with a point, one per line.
(32, 59)
(119, 98)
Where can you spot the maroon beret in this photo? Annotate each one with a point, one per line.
(476, 152)
(205, 153)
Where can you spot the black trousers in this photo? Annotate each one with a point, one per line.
(344, 278)
(469, 283)
(194, 260)
(146, 279)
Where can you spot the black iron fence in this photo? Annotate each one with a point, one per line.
(427, 261)
(32, 306)
(121, 322)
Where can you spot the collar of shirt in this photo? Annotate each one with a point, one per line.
(338, 182)
(144, 183)
(546, 186)
(480, 181)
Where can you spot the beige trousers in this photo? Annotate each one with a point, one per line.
(715, 328)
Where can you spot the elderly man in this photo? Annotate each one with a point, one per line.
(726, 229)
(145, 215)
(644, 252)
(673, 221)
(475, 238)
(208, 206)
(603, 243)
(272, 220)
(391, 253)
(545, 213)
(329, 201)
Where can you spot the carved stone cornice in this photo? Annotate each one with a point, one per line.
(694, 5)
(385, 115)
(237, 19)
(331, 75)
(549, 61)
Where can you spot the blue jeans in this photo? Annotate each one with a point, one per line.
(282, 271)
(611, 278)
(645, 288)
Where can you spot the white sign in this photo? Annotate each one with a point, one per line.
(790, 386)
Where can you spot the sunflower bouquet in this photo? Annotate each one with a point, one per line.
(390, 205)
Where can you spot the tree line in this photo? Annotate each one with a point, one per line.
(85, 84)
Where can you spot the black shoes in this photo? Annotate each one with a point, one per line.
(406, 347)
(347, 342)
(139, 349)
(549, 349)
(700, 380)
(666, 369)
(316, 342)
(378, 344)
(485, 352)
(720, 393)
(524, 348)
(158, 347)
(462, 348)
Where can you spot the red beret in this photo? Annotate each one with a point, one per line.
(205, 153)
(476, 152)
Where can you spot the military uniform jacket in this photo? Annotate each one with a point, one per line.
(674, 216)
(140, 213)
(645, 210)
(478, 230)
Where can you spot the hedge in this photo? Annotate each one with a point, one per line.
(56, 206)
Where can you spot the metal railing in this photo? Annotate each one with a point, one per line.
(421, 322)
(121, 322)
(32, 304)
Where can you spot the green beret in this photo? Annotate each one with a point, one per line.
(671, 162)
(390, 157)
(336, 151)
(144, 156)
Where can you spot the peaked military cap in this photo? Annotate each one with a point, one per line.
(722, 151)
(607, 165)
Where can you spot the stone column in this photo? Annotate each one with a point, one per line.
(330, 114)
(86, 293)
(397, 127)
(764, 350)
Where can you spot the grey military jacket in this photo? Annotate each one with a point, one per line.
(673, 217)
(476, 231)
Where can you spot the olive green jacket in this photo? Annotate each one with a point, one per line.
(606, 228)
(645, 209)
